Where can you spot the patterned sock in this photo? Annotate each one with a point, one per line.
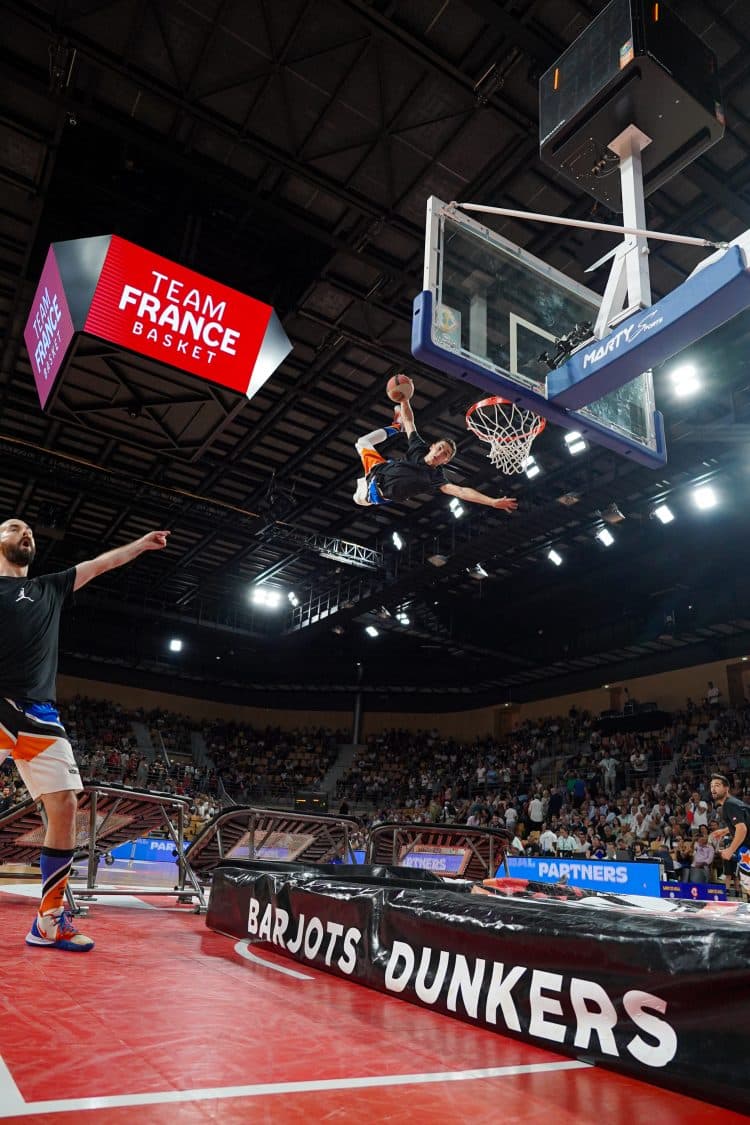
(55, 864)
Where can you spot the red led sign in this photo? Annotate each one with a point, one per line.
(159, 309)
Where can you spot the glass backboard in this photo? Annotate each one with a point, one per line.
(490, 310)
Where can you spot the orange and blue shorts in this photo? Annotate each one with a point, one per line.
(32, 734)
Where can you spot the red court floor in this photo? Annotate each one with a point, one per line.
(168, 1022)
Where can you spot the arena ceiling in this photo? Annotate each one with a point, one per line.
(287, 149)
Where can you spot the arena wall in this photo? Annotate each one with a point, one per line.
(669, 690)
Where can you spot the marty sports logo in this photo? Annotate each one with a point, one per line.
(625, 336)
(23, 596)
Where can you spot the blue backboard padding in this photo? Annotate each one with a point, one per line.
(503, 383)
(706, 300)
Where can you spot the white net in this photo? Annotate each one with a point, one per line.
(508, 429)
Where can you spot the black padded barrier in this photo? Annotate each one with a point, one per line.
(660, 994)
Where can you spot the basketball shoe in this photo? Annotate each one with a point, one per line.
(360, 495)
(55, 930)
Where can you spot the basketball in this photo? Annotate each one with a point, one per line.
(399, 388)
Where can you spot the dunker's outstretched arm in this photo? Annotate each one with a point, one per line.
(407, 417)
(473, 496)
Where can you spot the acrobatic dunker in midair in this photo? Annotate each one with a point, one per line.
(388, 481)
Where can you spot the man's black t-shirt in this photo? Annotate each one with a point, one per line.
(29, 624)
(734, 812)
(400, 480)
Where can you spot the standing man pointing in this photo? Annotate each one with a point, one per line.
(30, 728)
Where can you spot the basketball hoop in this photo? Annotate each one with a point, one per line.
(508, 429)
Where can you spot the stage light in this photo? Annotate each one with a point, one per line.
(175, 645)
(611, 514)
(532, 468)
(437, 560)
(685, 380)
(371, 631)
(575, 442)
(293, 597)
(455, 507)
(477, 571)
(705, 498)
(605, 536)
(398, 542)
(402, 618)
(261, 595)
(663, 513)
(553, 557)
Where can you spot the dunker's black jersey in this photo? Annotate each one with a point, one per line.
(400, 480)
(29, 624)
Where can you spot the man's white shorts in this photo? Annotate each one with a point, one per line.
(35, 739)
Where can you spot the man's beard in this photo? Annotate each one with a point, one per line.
(19, 554)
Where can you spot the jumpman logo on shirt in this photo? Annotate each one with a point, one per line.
(23, 596)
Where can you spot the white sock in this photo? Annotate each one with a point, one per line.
(369, 441)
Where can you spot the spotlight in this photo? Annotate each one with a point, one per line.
(402, 618)
(437, 560)
(663, 513)
(532, 467)
(553, 557)
(685, 380)
(605, 536)
(455, 507)
(262, 596)
(705, 498)
(371, 631)
(477, 571)
(175, 645)
(575, 442)
(398, 542)
(293, 597)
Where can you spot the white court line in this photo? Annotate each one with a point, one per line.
(26, 1109)
(31, 890)
(11, 1099)
(244, 951)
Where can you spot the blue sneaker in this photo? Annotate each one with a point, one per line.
(55, 930)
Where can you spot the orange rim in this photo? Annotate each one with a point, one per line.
(498, 400)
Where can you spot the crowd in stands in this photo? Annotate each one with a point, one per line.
(271, 762)
(558, 786)
(243, 765)
(170, 733)
(561, 788)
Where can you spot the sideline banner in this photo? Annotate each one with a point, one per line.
(659, 994)
(150, 849)
(593, 874)
(695, 892)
